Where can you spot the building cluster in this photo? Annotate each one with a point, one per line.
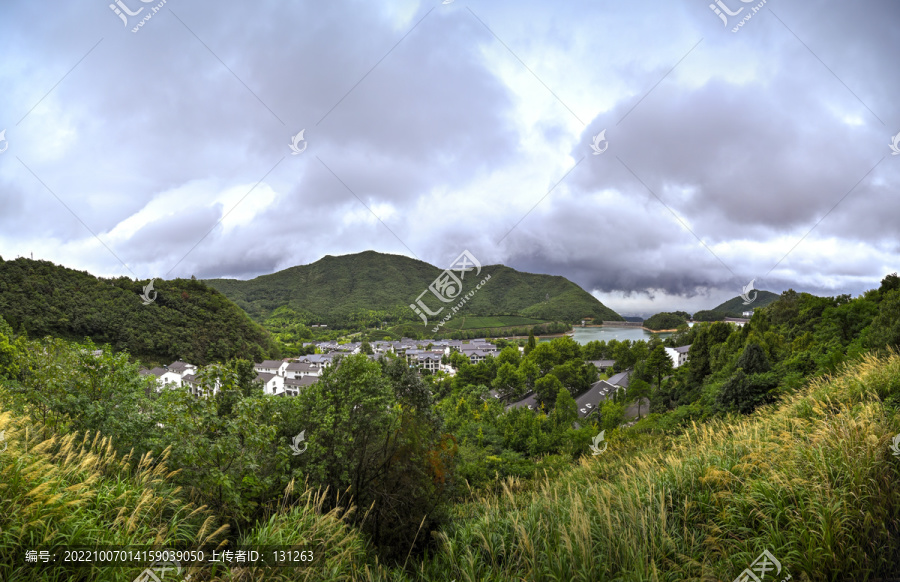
(586, 403)
(289, 376)
(589, 402)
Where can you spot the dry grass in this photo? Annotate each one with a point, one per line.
(811, 479)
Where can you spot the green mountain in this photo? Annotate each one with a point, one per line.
(370, 287)
(188, 320)
(735, 307)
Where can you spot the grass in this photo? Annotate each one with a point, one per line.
(75, 491)
(812, 480)
(498, 321)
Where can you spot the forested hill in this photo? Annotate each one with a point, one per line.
(735, 307)
(369, 287)
(188, 320)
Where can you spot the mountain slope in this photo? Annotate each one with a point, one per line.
(735, 307)
(369, 287)
(188, 320)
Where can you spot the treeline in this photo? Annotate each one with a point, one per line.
(187, 320)
(667, 320)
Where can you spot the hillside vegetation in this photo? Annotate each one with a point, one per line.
(188, 320)
(666, 320)
(735, 307)
(369, 288)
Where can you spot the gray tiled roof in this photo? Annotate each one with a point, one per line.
(530, 401)
(621, 379)
(269, 364)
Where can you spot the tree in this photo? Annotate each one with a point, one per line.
(510, 355)
(366, 348)
(392, 460)
(659, 364)
(509, 381)
(547, 389)
(753, 360)
(565, 411)
(531, 342)
(885, 328)
(245, 377)
(637, 391)
(611, 414)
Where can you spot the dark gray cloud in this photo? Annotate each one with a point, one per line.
(753, 139)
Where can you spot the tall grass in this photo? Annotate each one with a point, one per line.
(811, 479)
(75, 490)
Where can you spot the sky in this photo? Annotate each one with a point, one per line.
(660, 154)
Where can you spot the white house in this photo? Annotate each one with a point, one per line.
(276, 367)
(171, 376)
(738, 321)
(678, 355)
(296, 370)
(273, 384)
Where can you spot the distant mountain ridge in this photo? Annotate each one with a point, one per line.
(370, 285)
(735, 307)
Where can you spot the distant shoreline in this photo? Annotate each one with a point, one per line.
(636, 327)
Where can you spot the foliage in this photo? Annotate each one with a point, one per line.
(666, 320)
(188, 320)
(365, 289)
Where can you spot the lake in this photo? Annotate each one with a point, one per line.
(583, 335)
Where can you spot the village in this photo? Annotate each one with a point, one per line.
(289, 376)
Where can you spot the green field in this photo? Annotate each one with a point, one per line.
(476, 322)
